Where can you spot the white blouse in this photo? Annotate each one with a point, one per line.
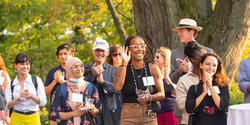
(27, 104)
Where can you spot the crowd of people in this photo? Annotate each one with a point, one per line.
(185, 86)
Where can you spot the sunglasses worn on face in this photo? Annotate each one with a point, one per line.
(157, 57)
(116, 54)
(137, 46)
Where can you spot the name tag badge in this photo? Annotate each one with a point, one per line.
(216, 88)
(148, 81)
(77, 97)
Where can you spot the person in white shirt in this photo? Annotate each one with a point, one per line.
(4, 79)
(24, 97)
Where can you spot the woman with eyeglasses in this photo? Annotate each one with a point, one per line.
(72, 103)
(114, 57)
(210, 98)
(139, 82)
(25, 94)
(165, 116)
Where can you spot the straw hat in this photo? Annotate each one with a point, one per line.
(187, 23)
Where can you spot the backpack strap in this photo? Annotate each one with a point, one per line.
(11, 88)
(34, 81)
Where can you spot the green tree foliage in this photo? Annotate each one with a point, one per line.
(37, 27)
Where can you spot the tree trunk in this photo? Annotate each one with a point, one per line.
(117, 21)
(225, 30)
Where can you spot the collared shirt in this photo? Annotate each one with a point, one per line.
(27, 104)
(175, 73)
(244, 78)
(182, 87)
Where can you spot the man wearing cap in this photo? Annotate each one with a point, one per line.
(187, 30)
(101, 75)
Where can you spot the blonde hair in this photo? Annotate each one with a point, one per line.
(166, 54)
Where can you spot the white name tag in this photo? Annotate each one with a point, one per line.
(77, 97)
(148, 81)
(216, 88)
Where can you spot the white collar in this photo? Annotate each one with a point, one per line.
(28, 80)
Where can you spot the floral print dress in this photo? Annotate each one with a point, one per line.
(60, 103)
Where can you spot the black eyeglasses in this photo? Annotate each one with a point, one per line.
(116, 54)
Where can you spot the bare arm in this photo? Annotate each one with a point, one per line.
(75, 113)
(6, 79)
(49, 88)
(215, 96)
(119, 79)
(202, 96)
(58, 77)
(13, 102)
(155, 71)
(120, 72)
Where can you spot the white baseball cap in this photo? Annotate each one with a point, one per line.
(100, 44)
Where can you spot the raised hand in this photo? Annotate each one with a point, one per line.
(207, 78)
(185, 66)
(59, 76)
(125, 55)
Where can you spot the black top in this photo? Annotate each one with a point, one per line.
(128, 90)
(201, 113)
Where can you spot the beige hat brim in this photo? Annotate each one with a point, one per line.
(198, 28)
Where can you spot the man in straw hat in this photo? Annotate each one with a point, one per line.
(187, 30)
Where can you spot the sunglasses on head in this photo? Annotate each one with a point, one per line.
(116, 54)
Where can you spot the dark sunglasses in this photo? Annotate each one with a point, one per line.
(116, 54)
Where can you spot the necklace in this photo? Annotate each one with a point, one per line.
(139, 91)
(140, 75)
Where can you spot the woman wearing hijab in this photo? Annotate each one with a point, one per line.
(23, 95)
(69, 101)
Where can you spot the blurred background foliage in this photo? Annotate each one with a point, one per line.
(38, 27)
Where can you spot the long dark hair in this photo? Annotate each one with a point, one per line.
(219, 77)
(128, 40)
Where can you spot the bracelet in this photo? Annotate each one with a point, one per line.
(150, 97)
(123, 65)
(31, 96)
